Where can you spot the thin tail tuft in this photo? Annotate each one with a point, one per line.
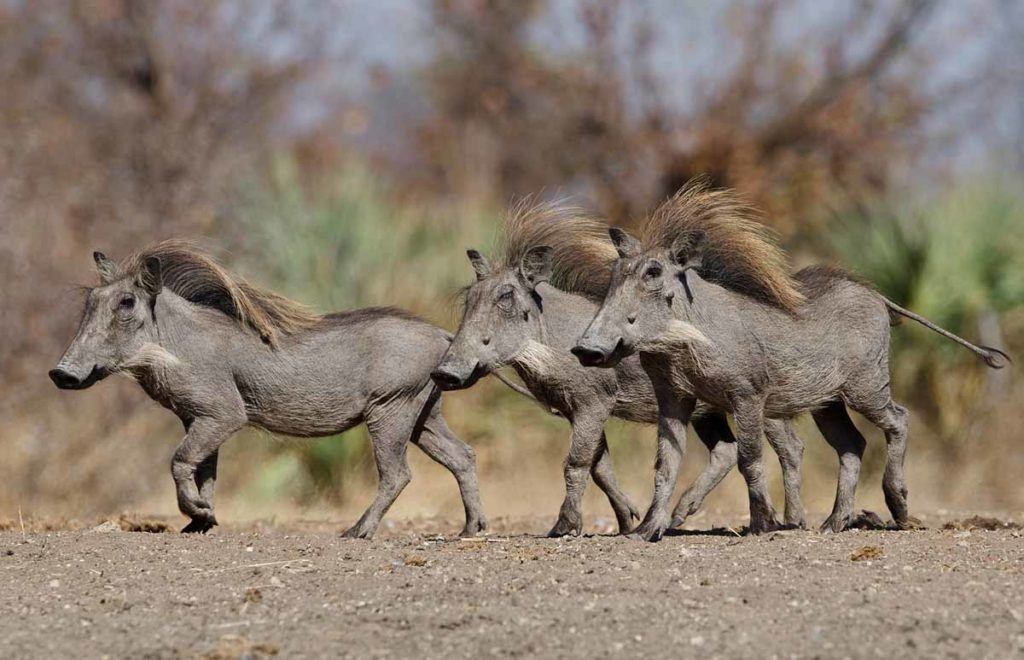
(995, 358)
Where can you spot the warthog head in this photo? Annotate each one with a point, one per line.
(637, 313)
(117, 323)
(500, 319)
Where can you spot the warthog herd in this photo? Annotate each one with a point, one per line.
(696, 318)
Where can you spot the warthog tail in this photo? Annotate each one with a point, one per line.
(993, 357)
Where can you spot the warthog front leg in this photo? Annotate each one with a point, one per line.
(441, 444)
(194, 468)
(789, 447)
(714, 432)
(673, 416)
(588, 454)
(584, 449)
(749, 417)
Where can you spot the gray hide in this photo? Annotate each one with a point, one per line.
(216, 375)
(754, 360)
(513, 316)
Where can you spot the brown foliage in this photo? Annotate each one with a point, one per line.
(791, 123)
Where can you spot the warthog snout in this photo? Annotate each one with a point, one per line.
(65, 379)
(449, 376)
(591, 354)
(446, 379)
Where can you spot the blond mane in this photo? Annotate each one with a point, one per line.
(194, 275)
(739, 253)
(581, 252)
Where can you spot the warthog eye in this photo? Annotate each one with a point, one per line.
(504, 300)
(127, 302)
(653, 271)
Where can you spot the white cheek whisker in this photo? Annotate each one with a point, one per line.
(151, 355)
(536, 357)
(680, 336)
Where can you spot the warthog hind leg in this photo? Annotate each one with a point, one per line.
(789, 447)
(716, 435)
(835, 424)
(626, 512)
(749, 417)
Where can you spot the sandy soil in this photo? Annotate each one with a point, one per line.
(301, 591)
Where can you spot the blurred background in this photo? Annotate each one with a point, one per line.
(346, 153)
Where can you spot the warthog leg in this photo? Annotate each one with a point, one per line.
(588, 454)
(441, 444)
(835, 424)
(790, 449)
(673, 416)
(871, 396)
(584, 450)
(892, 419)
(194, 467)
(392, 426)
(749, 417)
(714, 432)
(604, 476)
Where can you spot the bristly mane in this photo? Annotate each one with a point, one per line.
(817, 279)
(581, 252)
(194, 275)
(740, 253)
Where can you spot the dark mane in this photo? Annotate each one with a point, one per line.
(740, 253)
(819, 278)
(194, 275)
(816, 280)
(581, 252)
(369, 314)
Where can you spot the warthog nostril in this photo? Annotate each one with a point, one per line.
(445, 379)
(63, 379)
(588, 357)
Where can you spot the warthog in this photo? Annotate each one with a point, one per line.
(527, 310)
(221, 354)
(706, 299)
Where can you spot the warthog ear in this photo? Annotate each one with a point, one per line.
(688, 250)
(535, 266)
(480, 264)
(625, 245)
(150, 277)
(108, 270)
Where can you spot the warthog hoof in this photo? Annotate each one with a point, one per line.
(651, 531)
(357, 531)
(200, 525)
(625, 519)
(800, 523)
(764, 525)
(472, 528)
(834, 524)
(566, 527)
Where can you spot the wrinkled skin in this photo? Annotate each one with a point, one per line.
(218, 377)
(514, 317)
(754, 361)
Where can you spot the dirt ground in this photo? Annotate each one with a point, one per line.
(301, 591)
